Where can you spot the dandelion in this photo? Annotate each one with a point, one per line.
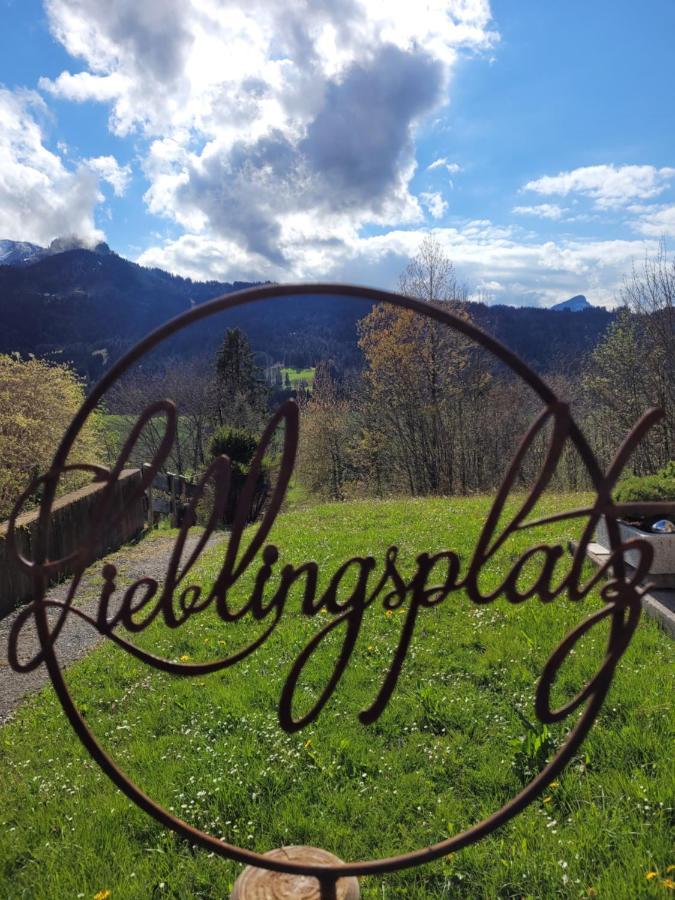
(670, 869)
(650, 875)
(668, 884)
(548, 799)
(185, 657)
(389, 613)
(103, 895)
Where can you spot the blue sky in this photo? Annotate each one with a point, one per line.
(246, 141)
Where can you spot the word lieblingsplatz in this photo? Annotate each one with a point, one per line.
(143, 601)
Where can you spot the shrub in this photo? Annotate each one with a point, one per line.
(237, 443)
(658, 487)
(240, 446)
(37, 402)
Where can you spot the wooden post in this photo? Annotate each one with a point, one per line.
(151, 517)
(263, 884)
(173, 506)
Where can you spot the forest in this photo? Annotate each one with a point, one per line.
(414, 408)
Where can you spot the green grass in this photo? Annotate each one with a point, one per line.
(298, 376)
(444, 754)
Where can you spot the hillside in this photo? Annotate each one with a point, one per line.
(456, 741)
(88, 306)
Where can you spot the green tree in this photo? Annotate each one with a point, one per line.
(37, 402)
(623, 379)
(241, 388)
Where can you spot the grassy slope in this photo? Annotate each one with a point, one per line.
(299, 376)
(440, 757)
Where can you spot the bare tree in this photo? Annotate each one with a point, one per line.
(649, 293)
(192, 387)
(431, 276)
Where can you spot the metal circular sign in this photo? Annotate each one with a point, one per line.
(176, 602)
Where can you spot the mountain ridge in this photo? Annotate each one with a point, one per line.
(88, 306)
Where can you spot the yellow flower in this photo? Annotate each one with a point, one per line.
(389, 613)
(548, 799)
(185, 657)
(651, 875)
(554, 784)
(669, 884)
(370, 648)
(670, 869)
(103, 895)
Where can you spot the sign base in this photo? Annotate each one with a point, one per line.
(264, 884)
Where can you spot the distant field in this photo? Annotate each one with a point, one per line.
(447, 751)
(298, 376)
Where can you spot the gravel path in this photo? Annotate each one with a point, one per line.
(148, 558)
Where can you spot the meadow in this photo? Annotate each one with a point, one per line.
(298, 377)
(457, 740)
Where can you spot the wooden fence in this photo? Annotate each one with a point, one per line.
(69, 525)
(169, 495)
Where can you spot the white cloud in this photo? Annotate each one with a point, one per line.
(442, 163)
(501, 260)
(109, 170)
(40, 198)
(541, 210)
(83, 86)
(607, 185)
(435, 204)
(257, 113)
(656, 221)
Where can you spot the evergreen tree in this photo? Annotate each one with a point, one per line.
(241, 388)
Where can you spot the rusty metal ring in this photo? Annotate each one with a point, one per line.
(622, 625)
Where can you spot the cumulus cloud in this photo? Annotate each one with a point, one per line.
(541, 210)
(83, 86)
(109, 170)
(656, 221)
(607, 185)
(435, 203)
(40, 199)
(495, 259)
(264, 115)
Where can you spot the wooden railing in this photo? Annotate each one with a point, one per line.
(168, 495)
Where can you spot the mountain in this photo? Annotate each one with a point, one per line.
(18, 253)
(88, 306)
(577, 303)
(21, 253)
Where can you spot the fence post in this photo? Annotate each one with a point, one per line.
(151, 517)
